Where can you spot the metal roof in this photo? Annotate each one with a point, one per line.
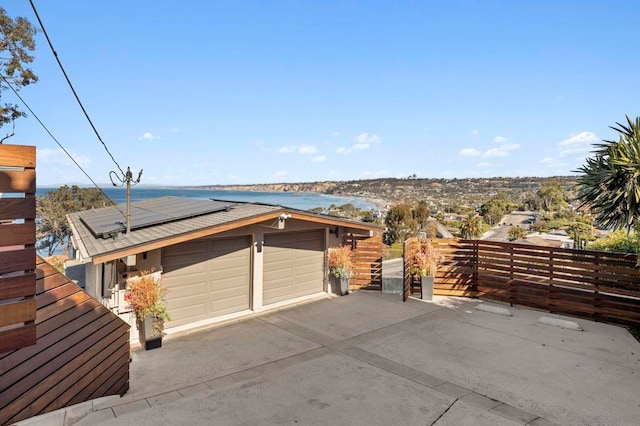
(237, 213)
(107, 223)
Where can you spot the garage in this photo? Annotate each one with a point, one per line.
(293, 265)
(207, 278)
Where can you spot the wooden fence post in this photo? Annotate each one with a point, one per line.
(17, 247)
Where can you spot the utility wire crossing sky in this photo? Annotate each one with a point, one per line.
(243, 92)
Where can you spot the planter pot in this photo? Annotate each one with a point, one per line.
(426, 287)
(339, 285)
(149, 339)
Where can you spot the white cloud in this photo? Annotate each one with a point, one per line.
(469, 152)
(335, 134)
(495, 152)
(367, 138)
(280, 174)
(302, 149)
(287, 149)
(475, 132)
(363, 141)
(175, 130)
(510, 146)
(318, 159)
(484, 164)
(552, 162)
(148, 136)
(57, 156)
(501, 151)
(500, 139)
(578, 144)
(307, 149)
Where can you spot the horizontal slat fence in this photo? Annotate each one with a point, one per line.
(456, 271)
(81, 353)
(597, 285)
(367, 261)
(17, 247)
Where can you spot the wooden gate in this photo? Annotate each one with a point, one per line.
(367, 260)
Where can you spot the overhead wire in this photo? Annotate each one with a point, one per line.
(75, 94)
(59, 144)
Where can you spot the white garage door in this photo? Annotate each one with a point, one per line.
(207, 278)
(293, 265)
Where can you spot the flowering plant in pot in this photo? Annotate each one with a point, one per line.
(145, 296)
(341, 267)
(425, 264)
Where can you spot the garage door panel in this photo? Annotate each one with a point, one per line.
(175, 262)
(218, 283)
(293, 265)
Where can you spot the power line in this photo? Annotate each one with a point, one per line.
(60, 145)
(55, 54)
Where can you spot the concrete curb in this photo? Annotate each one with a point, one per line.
(494, 310)
(557, 322)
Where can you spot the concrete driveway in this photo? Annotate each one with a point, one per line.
(369, 358)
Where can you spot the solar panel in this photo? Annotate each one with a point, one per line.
(107, 222)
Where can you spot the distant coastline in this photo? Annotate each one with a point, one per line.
(293, 199)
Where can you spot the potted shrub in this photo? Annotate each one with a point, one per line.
(340, 268)
(424, 267)
(145, 297)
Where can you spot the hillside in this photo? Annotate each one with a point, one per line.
(442, 193)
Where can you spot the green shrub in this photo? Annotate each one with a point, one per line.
(617, 241)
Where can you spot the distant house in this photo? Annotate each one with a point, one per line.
(559, 240)
(219, 259)
(454, 217)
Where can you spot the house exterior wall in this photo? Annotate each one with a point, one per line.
(149, 260)
(93, 284)
(332, 237)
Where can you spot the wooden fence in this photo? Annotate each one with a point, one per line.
(596, 285)
(82, 352)
(17, 247)
(58, 346)
(367, 260)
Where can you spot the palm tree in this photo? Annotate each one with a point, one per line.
(471, 228)
(610, 181)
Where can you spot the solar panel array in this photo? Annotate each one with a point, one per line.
(108, 222)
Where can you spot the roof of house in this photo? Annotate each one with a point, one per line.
(540, 241)
(165, 221)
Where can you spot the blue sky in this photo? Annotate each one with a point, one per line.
(240, 92)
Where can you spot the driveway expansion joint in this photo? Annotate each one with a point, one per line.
(347, 347)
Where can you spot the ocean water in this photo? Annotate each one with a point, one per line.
(296, 200)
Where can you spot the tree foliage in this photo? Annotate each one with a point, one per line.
(516, 233)
(495, 208)
(551, 196)
(580, 232)
(52, 231)
(400, 223)
(617, 241)
(471, 228)
(16, 43)
(421, 214)
(610, 180)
